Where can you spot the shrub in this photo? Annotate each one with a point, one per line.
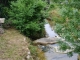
(27, 16)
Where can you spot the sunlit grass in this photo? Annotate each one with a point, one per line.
(12, 45)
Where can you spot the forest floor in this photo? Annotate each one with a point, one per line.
(13, 45)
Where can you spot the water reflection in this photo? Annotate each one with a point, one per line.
(49, 31)
(51, 54)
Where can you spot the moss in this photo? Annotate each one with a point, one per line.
(36, 53)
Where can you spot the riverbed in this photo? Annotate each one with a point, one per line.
(51, 54)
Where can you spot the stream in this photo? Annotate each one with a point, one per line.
(51, 54)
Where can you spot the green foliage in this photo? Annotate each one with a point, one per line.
(3, 11)
(33, 50)
(27, 16)
(69, 26)
(4, 6)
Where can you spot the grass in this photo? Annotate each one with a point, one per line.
(13, 45)
(36, 53)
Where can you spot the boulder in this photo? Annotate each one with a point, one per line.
(2, 20)
(45, 41)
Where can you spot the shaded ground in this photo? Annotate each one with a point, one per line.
(13, 45)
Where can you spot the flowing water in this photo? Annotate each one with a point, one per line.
(49, 31)
(51, 54)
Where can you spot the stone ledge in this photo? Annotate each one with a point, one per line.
(2, 20)
(45, 41)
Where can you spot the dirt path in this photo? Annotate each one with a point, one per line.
(13, 45)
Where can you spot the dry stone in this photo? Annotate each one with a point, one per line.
(1, 22)
(1, 30)
(45, 41)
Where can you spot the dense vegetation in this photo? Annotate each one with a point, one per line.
(68, 24)
(4, 6)
(27, 16)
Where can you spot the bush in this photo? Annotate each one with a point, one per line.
(27, 16)
(3, 11)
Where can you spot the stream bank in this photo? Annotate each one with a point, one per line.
(14, 46)
(50, 51)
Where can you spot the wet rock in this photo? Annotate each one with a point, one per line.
(53, 55)
(45, 41)
(57, 49)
